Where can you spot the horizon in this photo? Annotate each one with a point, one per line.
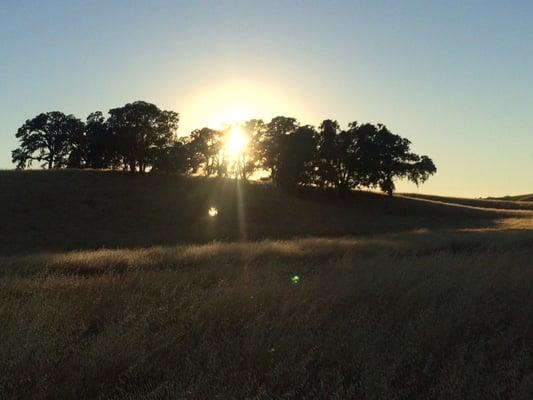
(453, 79)
(218, 199)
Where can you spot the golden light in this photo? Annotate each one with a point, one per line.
(236, 142)
(237, 114)
(219, 103)
(213, 212)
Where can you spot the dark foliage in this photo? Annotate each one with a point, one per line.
(295, 159)
(141, 137)
(101, 143)
(53, 139)
(141, 128)
(204, 150)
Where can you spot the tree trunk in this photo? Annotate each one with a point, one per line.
(343, 190)
(50, 160)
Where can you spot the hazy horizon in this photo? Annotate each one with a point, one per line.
(453, 78)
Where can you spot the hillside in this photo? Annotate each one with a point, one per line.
(522, 197)
(503, 203)
(421, 298)
(69, 209)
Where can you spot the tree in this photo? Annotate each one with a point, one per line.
(346, 171)
(366, 155)
(171, 159)
(276, 129)
(338, 159)
(101, 143)
(139, 136)
(204, 147)
(50, 138)
(327, 153)
(421, 169)
(385, 157)
(296, 155)
(139, 128)
(250, 159)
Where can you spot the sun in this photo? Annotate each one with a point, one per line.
(236, 142)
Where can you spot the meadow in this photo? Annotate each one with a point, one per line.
(115, 286)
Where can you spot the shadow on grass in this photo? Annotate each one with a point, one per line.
(67, 210)
(277, 254)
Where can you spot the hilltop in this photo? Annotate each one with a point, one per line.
(85, 209)
(522, 197)
(503, 203)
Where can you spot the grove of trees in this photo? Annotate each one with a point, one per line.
(140, 137)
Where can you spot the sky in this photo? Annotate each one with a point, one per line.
(455, 77)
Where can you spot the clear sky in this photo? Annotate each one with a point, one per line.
(455, 77)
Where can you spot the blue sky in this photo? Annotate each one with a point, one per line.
(454, 77)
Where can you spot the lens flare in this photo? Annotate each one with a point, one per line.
(213, 212)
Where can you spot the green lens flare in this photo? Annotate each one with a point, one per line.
(295, 279)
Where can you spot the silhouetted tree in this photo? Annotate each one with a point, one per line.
(420, 169)
(337, 162)
(77, 157)
(346, 173)
(394, 159)
(51, 138)
(139, 128)
(204, 150)
(250, 160)
(139, 135)
(270, 150)
(327, 153)
(171, 159)
(366, 155)
(101, 143)
(296, 155)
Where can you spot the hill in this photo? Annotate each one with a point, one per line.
(523, 197)
(504, 203)
(421, 298)
(69, 209)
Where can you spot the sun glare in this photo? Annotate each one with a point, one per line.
(236, 142)
(218, 104)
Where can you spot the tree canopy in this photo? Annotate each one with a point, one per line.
(50, 138)
(141, 130)
(141, 137)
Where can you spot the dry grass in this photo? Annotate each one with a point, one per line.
(522, 197)
(504, 203)
(420, 315)
(424, 300)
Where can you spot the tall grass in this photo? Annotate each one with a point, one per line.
(404, 316)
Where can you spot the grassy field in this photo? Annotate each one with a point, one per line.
(111, 287)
